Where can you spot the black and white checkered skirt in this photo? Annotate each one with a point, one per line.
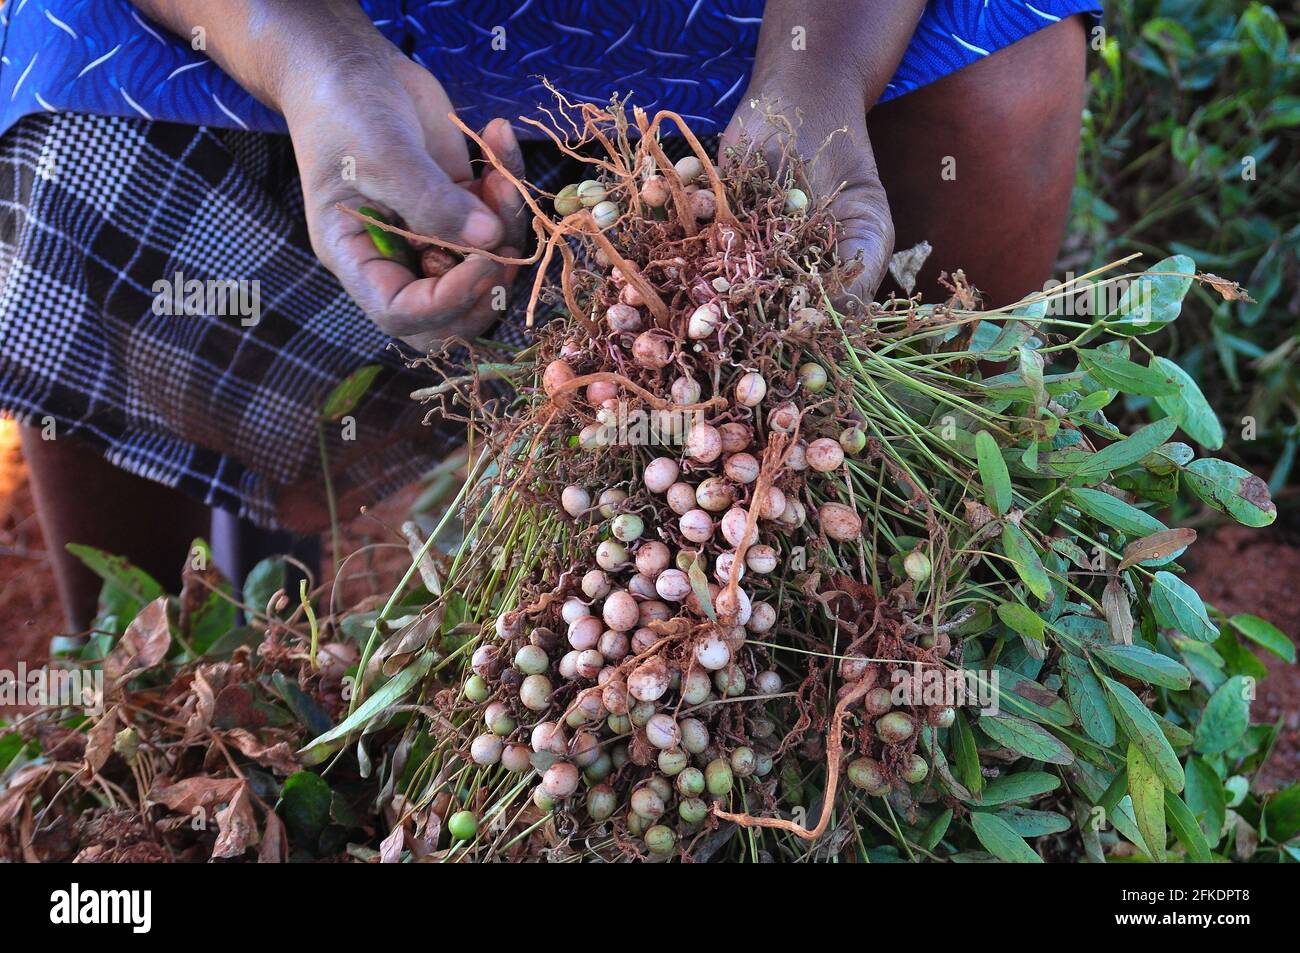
(93, 212)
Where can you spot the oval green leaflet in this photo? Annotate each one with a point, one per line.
(1001, 841)
(1031, 823)
(1155, 298)
(993, 473)
(1144, 731)
(1178, 606)
(1187, 829)
(1021, 552)
(1189, 406)
(1125, 453)
(1111, 370)
(1230, 489)
(1021, 786)
(1140, 662)
(1115, 513)
(1026, 738)
(388, 244)
(1226, 717)
(345, 397)
(1022, 620)
(1148, 797)
(1205, 797)
(1087, 699)
(1264, 634)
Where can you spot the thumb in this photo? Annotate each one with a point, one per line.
(432, 204)
(865, 237)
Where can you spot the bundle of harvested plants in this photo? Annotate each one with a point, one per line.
(750, 570)
(738, 542)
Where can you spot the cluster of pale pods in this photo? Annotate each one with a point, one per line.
(646, 574)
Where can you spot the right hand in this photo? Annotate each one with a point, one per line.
(372, 112)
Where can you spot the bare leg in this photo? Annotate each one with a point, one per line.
(1006, 129)
(82, 498)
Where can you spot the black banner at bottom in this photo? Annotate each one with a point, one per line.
(138, 905)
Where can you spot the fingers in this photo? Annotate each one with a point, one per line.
(498, 192)
(866, 229)
(433, 204)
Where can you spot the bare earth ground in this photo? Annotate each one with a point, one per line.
(1236, 569)
(1242, 570)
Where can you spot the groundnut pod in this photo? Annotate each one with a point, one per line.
(681, 498)
(659, 474)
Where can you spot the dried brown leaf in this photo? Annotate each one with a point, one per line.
(275, 842)
(1118, 612)
(236, 826)
(277, 756)
(99, 741)
(187, 794)
(142, 646)
(1156, 545)
(390, 851)
(1229, 289)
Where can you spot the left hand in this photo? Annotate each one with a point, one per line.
(861, 209)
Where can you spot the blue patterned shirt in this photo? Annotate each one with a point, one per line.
(105, 57)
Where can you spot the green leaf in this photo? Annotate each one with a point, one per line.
(388, 694)
(1282, 815)
(1155, 298)
(1124, 453)
(263, 581)
(1148, 796)
(1111, 370)
(1021, 786)
(1144, 731)
(967, 755)
(1187, 829)
(1030, 823)
(1088, 700)
(1026, 738)
(1140, 662)
(1031, 370)
(305, 805)
(1189, 406)
(1001, 841)
(11, 745)
(1115, 513)
(1019, 695)
(128, 587)
(1230, 489)
(1021, 619)
(935, 830)
(1178, 606)
(1021, 552)
(1206, 798)
(993, 473)
(348, 393)
(1226, 716)
(1264, 634)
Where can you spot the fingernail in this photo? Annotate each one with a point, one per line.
(481, 228)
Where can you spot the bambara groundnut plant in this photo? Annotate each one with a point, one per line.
(750, 572)
(743, 569)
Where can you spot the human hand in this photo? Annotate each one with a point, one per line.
(370, 127)
(830, 133)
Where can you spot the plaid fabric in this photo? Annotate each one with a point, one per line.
(95, 210)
